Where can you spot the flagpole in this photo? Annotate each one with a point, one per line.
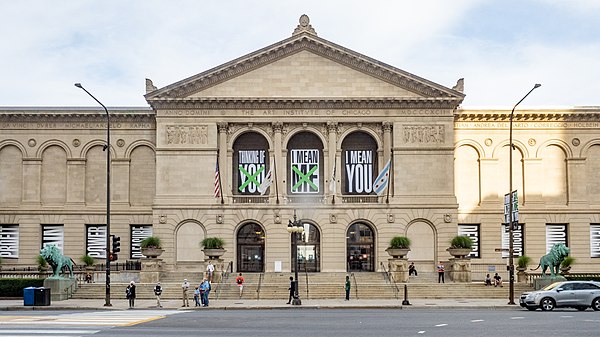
(276, 186)
(387, 198)
(220, 184)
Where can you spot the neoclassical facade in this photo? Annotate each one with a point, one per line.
(322, 121)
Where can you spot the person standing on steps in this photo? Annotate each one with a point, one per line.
(440, 270)
(291, 289)
(185, 287)
(240, 283)
(157, 293)
(210, 269)
(347, 288)
(130, 293)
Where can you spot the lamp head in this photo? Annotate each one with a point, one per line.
(78, 85)
(537, 85)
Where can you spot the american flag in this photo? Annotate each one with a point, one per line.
(217, 182)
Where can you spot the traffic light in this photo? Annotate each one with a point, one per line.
(113, 257)
(116, 244)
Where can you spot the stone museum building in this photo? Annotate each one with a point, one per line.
(303, 126)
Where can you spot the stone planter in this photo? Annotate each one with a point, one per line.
(152, 252)
(459, 252)
(397, 253)
(564, 270)
(214, 253)
(521, 275)
(460, 269)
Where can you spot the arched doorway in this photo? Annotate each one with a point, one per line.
(360, 248)
(251, 248)
(309, 250)
(422, 247)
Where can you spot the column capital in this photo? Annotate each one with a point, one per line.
(277, 126)
(332, 127)
(223, 127)
(387, 126)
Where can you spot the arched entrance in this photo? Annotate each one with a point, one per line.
(251, 248)
(360, 248)
(309, 250)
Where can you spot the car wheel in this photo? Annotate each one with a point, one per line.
(547, 304)
(581, 308)
(596, 304)
(531, 308)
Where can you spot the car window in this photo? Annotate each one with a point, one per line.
(585, 286)
(552, 286)
(566, 286)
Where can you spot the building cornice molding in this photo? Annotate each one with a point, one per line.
(484, 116)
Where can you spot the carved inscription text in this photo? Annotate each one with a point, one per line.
(423, 133)
(187, 134)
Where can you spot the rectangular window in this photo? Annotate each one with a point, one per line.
(139, 233)
(595, 240)
(518, 240)
(556, 233)
(96, 241)
(53, 235)
(472, 231)
(9, 241)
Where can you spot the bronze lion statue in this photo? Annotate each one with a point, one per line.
(56, 260)
(553, 259)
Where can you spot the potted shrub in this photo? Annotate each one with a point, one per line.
(151, 247)
(213, 247)
(42, 264)
(460, 246)
(399, 247)
(88, 262)
(522, 263)
(566, 264)
(1, 260)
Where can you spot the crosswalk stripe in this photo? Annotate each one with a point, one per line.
(48, 332)
(113, 318)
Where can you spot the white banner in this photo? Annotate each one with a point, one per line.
(304, 171)
(595, 240)
(138, 234)
(96, 241)
(252, 170)
(556, 233)
(518, 240)
(471, 231)
(359, 171)
(53, 235)
(9, 241)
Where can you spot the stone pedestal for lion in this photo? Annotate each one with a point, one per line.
(460, 270)
(151, 268)
(399, 269)
(60, 287)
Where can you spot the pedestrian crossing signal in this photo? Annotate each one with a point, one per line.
(113, 257)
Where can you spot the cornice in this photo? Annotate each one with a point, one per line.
(58, 117)
(533, 117)
(307, 103)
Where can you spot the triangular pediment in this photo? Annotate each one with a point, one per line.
(307, 67)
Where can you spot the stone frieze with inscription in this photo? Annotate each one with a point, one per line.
(416, 134)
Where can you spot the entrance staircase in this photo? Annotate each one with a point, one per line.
(268, 286)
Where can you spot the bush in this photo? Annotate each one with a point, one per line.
(400, 242)
(87, 260)
(212, 243)
(42, 263)
(461, 241)
(523, 261)
(13, 287)
(567, 262)
(150, 242)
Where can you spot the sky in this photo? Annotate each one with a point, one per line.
(500, 47)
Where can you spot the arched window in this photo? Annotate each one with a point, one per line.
(250, 163)
(359, 163)
(360, 247)
(251, 248)
(309, 249)
(305, 163)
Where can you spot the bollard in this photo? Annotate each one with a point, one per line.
(405, 302)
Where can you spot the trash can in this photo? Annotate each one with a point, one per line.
(41, 296)
(28, 295)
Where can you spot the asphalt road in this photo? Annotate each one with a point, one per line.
(349, 322)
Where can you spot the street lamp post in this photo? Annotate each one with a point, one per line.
(107, 149)
(511, 265)
(295, 228)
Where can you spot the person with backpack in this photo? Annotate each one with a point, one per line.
(157, 293)
(240, 283)
(130, 294)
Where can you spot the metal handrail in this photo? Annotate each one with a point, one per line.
(306, 275)
(260, 278)
(224, 276)
(355, 285)
(388, 278)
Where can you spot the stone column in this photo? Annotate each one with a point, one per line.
(399, 269)
(279, 168)
(332, 129)
(387, 143)
(223, 128)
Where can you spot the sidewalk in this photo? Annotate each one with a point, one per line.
(120, 304)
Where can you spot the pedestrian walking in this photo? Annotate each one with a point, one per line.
(204, 291)
(185, 286)
(157, 293)
(440, 270)
(347, 288)
(130, 294)
(210, 269)
(292, 290)
(240, 283)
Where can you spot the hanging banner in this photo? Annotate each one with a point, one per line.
(556, 233)
(595, 240)
(358, 165)
(9, 241)
(53, 235)
(138, 234)
(518, 240)
(304, 173)
(471, 231)
(252, 170)
(96, 241)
